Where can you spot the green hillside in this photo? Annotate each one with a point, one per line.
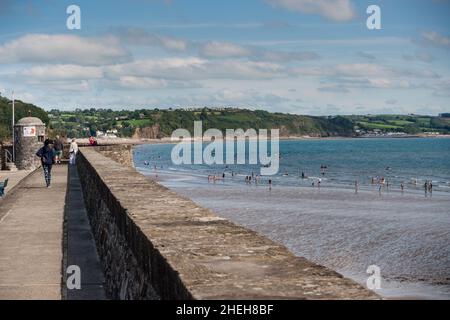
(411, 124)
(127, 123)
(21, 111)
(156, 123)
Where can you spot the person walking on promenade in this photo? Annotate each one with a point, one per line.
(47, 155)
(58, 150)
(73, 152)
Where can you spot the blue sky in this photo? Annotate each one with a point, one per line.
(296, 56)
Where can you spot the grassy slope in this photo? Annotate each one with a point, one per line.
(21, 111)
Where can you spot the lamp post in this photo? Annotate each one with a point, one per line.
(13, 134)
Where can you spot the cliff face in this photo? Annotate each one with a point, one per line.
(153, 132)
(289, 125)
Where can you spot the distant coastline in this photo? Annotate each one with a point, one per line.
(135, 141)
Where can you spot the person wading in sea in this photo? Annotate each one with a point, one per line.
(47, 155)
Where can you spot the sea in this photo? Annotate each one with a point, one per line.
(369, 209)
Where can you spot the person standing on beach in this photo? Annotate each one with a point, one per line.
(402, 186)
(73, 152)
(47, 156)
(356, 186)
(58, 150)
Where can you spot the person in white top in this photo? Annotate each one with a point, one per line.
(73, 152)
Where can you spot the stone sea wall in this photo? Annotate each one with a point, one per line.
(155, 244)
(121, 153)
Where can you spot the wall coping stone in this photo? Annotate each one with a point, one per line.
(213, 257)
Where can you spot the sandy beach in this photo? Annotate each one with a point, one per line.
(406, 234)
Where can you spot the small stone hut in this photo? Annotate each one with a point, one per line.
(29, 137)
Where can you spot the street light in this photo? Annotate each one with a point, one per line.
(13, 134)
(12, 129)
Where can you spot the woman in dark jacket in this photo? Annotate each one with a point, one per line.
(47, 155)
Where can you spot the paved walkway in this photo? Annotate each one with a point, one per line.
(34, 247)
(14, 178)
(31, 221)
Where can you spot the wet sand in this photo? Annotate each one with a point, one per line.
(406, 234)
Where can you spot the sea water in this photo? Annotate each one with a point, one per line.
(404, 232)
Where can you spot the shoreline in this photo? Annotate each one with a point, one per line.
(420, 290)
(402, 294)
(187, 237)
(134, 141)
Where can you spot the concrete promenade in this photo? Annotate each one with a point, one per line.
(31, 221)
(13, 178)
(152, 243)
(36, 244)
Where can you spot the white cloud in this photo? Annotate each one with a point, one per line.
(60, 72)
(216, 49)
(436, 39)
(280, 56)
(196, 69)
(66, 49)
(366, 55)
(251, 99)
(174, 44)
(337, 10)
(363, 70)
(391, 101)
(141, 37)
(139, 83)
(419, 56)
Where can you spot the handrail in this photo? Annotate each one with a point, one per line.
(8, 157)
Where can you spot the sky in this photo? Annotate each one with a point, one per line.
(313, 57)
